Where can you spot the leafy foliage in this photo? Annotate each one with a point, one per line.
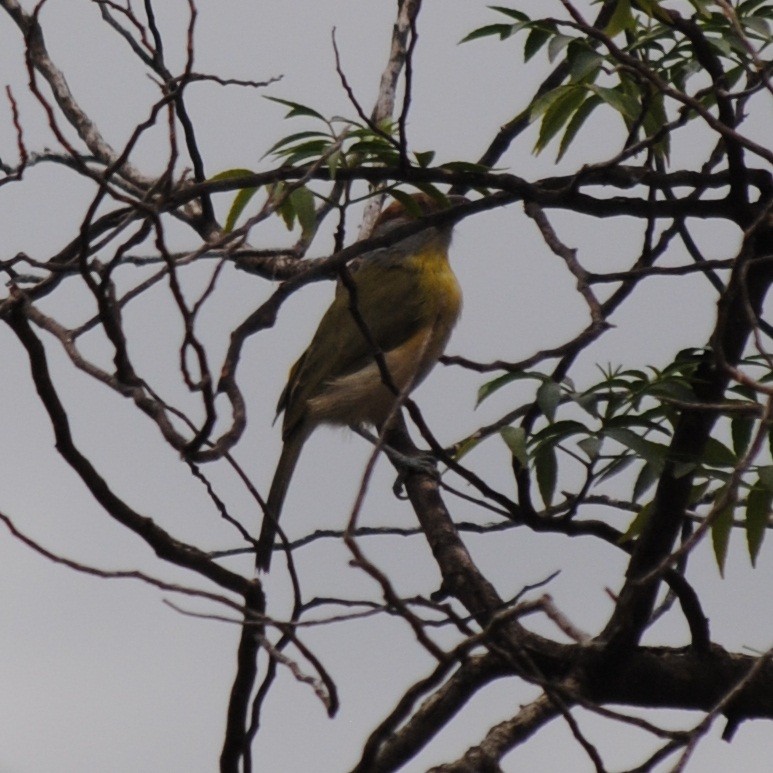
(626, 420)
(339, 143)
(644, 34)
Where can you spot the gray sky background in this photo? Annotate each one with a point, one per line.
(101, 675)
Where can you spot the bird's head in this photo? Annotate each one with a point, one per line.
(403, 212)
(418, 205)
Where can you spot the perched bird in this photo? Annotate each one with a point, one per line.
(409, 300)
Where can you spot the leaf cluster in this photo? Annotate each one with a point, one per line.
(627, 419)
(338, 143)
(595, 77)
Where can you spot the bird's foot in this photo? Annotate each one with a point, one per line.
(423, 463)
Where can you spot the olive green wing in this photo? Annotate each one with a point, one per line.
(392, 305)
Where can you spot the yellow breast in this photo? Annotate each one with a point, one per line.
(438, 285)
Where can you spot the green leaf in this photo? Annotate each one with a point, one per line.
(557, 115)
(654, 120)
(333, 161)
(504, 31)
(424, 159)
(757, 518)
(576, 122)
(557, 44)
(287, 212)
(490, 387)
(720, 530)
(588, 402)
(759, 25)
(291, 138)
(765, 475)
(702, 7)
(465, 166)
(624, 104)
(302, 200)
(622, 19)
(535, 40)
(511, 12)
(652, 9)
(582, 61)
(232, 174)
(590, 446)
(548, 398)
(717, 454)
(644, 481)
(715, 475)
(732, 76)
(680, 469)
(515, 438)
(546, 467)
(744, 391)
(723, 45)
(542, 103)
(242, 198)
(615, 467)
(697, 492)
(304, 151)
(654, 453)
(408, 202)
(748, 6)
(374, 146)
(673, 389)
(637, 524)
(284, 207)
(741, 429)
(296, 109)
(464, 448)
(558, 431)
(434, 193)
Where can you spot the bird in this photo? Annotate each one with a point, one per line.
(409, 300)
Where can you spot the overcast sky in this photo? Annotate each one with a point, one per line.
(102, 675)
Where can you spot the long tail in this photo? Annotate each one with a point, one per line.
(276, 497)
